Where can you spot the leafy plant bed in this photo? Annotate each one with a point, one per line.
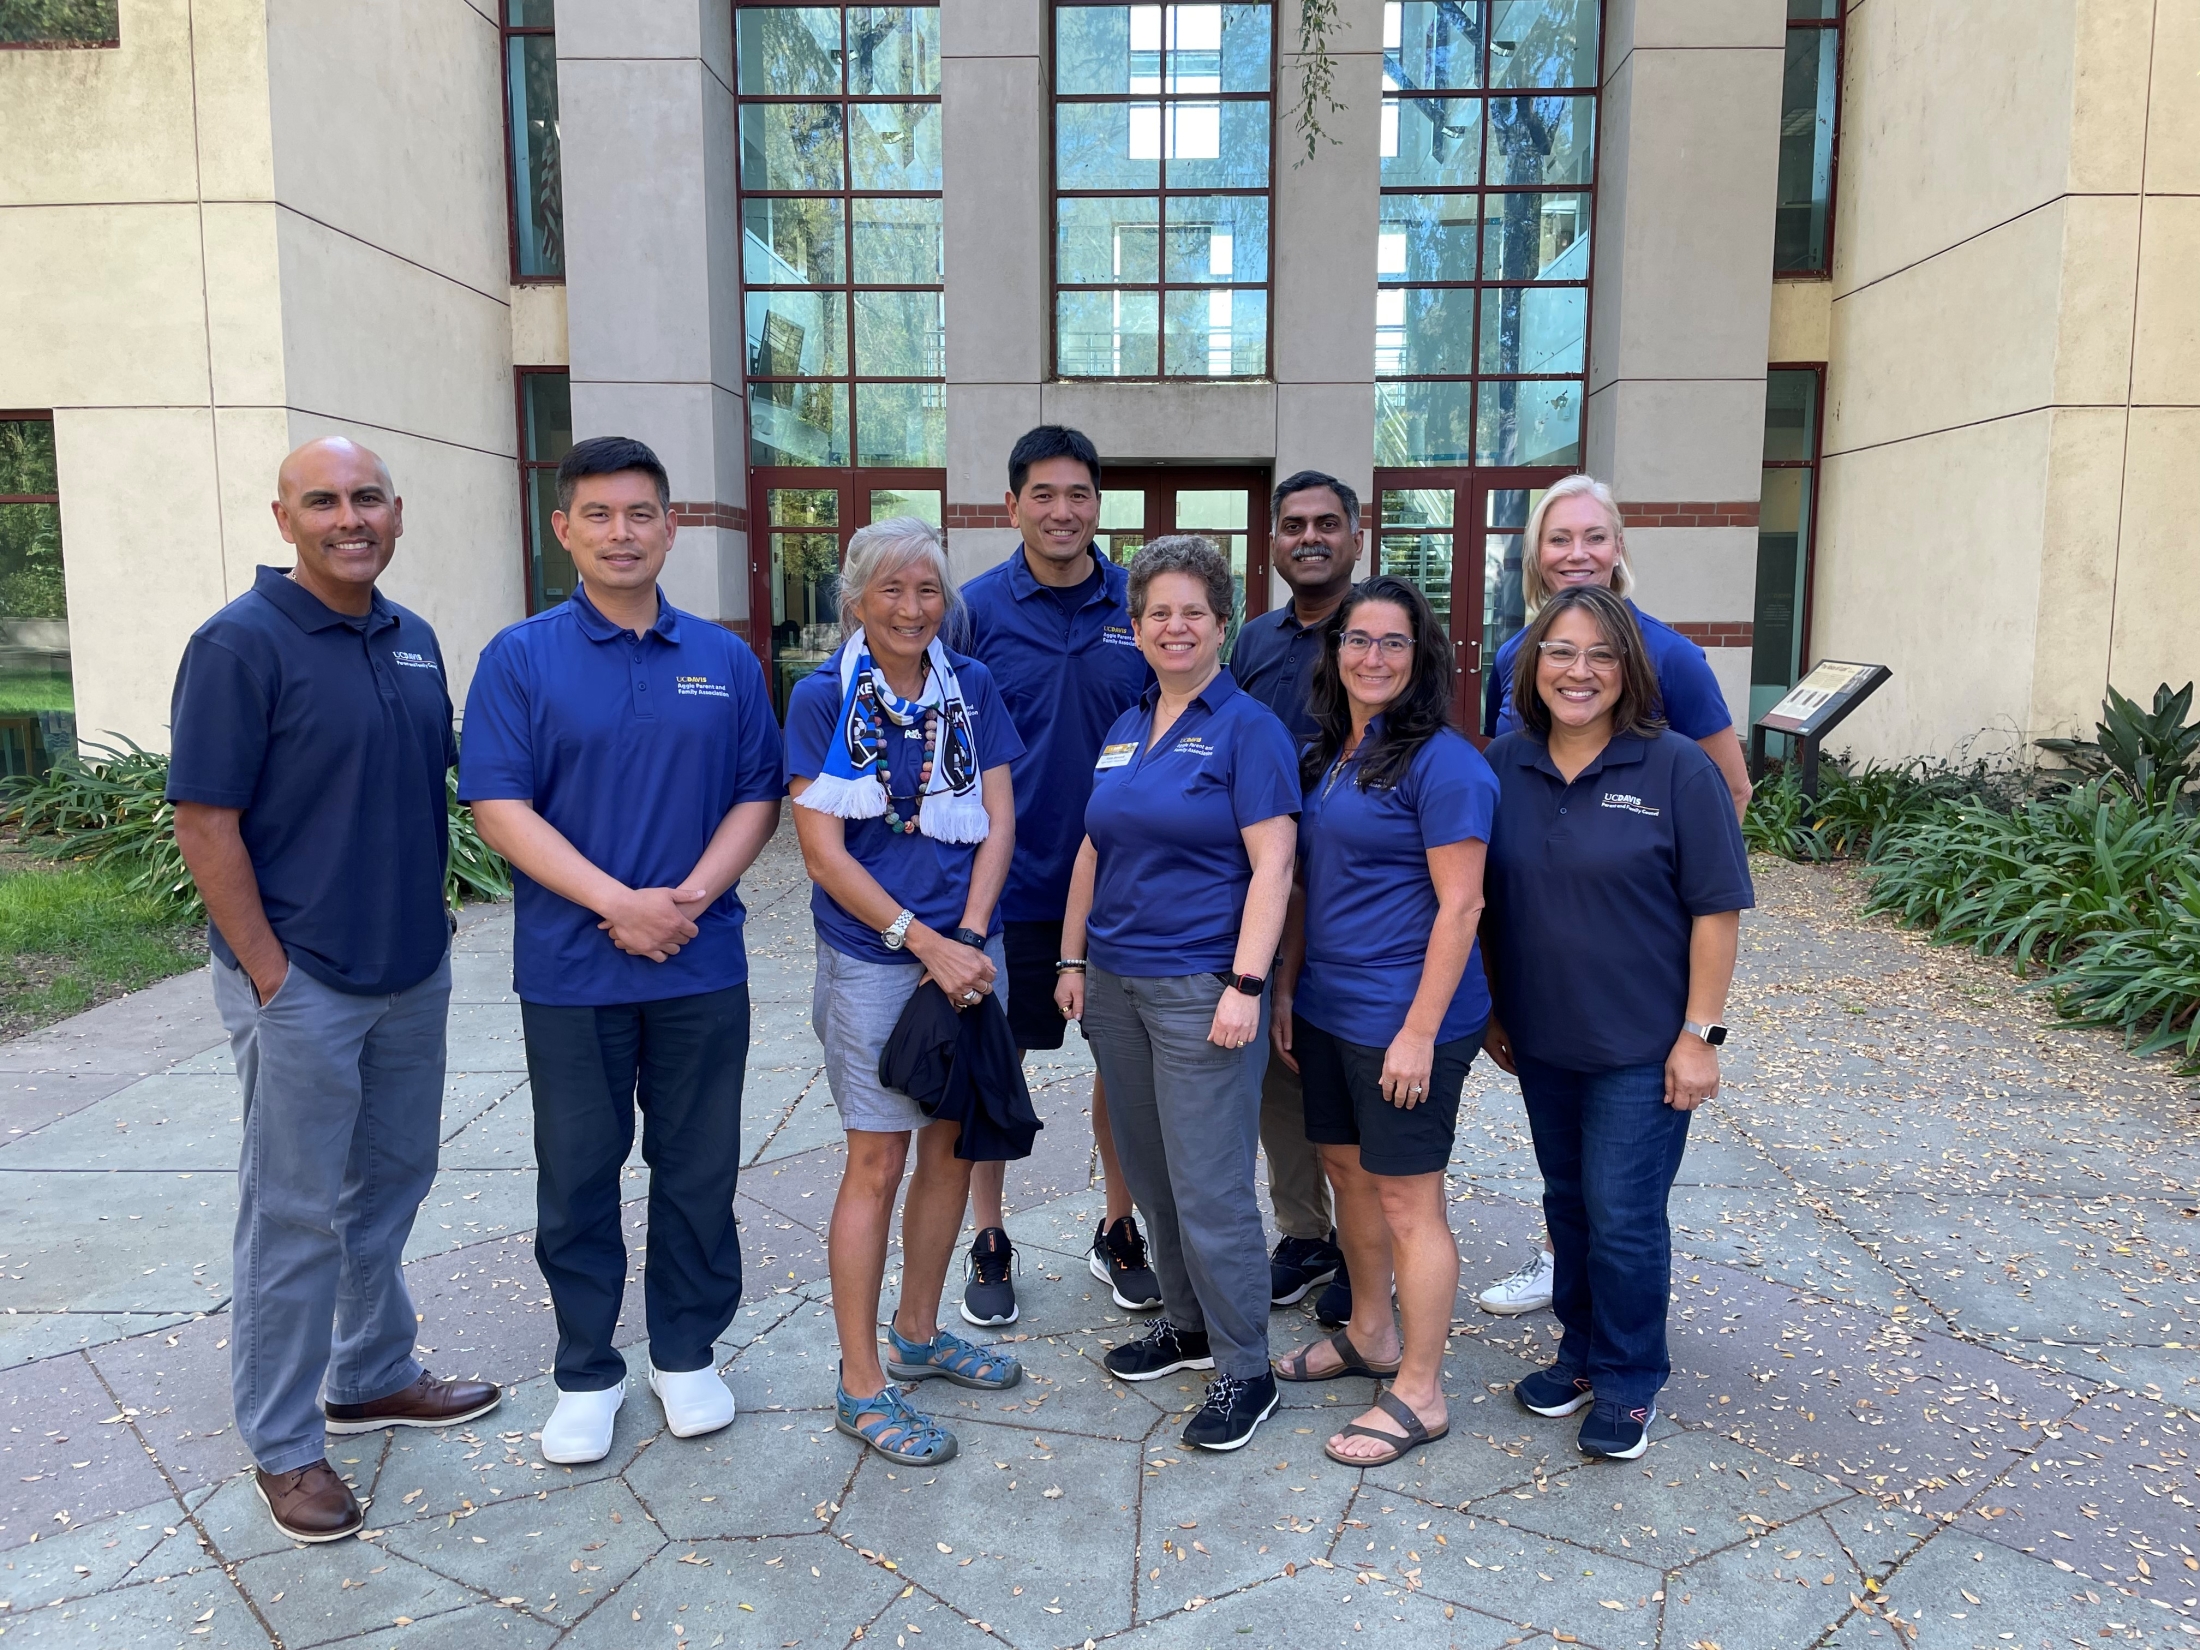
(72, 937)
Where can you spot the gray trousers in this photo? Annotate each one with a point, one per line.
(1186, 1116)
(1298, 1185)
(343, 1106)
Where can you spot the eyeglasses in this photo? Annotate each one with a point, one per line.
(1602, 660)
(1357, 642)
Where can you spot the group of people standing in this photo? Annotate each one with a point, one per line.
(1285, 899)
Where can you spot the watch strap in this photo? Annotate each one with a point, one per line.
(970, 937)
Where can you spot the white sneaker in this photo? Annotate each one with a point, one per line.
(1527, 1290)
(696, 1400)
(579, 1429)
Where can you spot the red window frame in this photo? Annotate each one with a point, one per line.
(1837, 25)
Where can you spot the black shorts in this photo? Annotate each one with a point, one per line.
(1033, 949)
(1345, 1104)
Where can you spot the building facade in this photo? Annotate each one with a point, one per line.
(1878, 319)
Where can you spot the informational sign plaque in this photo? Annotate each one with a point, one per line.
(1811, 709)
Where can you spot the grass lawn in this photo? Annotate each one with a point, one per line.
(71, 937)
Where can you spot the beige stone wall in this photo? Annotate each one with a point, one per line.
(203, 272)
(2013, 338)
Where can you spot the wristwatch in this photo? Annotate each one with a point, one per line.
(1714, 1033)
(968, 936)
(1251, 984)
(898, 933)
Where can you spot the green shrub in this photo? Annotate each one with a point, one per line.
(2154, 754)
(477, 871)
(2144, 982)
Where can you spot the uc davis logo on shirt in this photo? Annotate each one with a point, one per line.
(1192, 745)
(1118, 635)
(413, 661)
(698, 687)
(1633, 804)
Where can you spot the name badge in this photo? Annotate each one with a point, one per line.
(1115, 756)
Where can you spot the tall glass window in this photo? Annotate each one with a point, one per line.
(1784, 520)
(59, 23)
(533, 174)
(545, 437)
(37, 699)
(1164, 122)
(1810, 110)
(1488, 150)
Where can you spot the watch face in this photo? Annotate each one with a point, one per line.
(1715, 1035)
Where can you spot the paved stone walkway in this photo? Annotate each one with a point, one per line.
(1933, 1332)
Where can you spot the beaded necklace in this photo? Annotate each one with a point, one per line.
(874, 728)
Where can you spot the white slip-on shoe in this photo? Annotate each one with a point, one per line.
(696, 1401)
(1527, 1290)
(579, 1429)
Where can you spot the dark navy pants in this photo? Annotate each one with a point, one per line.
(1609, 1147)
(681, 1059)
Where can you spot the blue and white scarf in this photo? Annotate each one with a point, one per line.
(851, 787)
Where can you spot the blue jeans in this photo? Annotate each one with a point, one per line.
(343, 1110)
(1609, 1147)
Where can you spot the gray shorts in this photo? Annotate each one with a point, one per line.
(853, 1007)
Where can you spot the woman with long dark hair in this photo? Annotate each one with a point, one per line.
(1381, 998)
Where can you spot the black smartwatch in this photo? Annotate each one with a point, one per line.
(969, 937)
(1714, 1033)
(1251, 984)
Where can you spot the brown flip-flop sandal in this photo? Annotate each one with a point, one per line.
(1398, 1410)
(1294, 1367)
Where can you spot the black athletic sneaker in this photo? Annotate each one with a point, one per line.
(1232, 1410)
(1162, 1350)
(989, 1292)
(1299, 1264)
(1619, 1433)
(1333, 1306)
(1119, 1260)
(1553, 1391)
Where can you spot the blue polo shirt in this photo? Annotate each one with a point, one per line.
(929, 878)
(1695, 707)
(1166, 823)
(1370, 902)
(1273, 660)
(1593, 888)
(635, 748)
(1065, 671)
(333, 734)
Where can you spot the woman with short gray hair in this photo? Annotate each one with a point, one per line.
(1180, 889)
(897, 755)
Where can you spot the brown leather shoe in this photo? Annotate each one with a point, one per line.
(428, 1402)
(311, 1504)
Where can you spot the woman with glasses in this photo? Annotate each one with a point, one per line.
(1617, 879)
(898, 752)
(1380, 997)
(1180, 889)
(1578, 538)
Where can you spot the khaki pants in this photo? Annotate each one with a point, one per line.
(1296, 1181)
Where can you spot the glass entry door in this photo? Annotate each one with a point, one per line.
(1460, 536)
(1226, 505)
(800, 523)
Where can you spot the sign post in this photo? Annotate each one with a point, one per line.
(1812, 709)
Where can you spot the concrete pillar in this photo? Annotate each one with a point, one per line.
(653, 265)
(1681, 306)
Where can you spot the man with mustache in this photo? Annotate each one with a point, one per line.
(1315, 546)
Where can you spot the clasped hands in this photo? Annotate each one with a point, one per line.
(655, 922)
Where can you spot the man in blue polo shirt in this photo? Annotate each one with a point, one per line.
(1051, 625)
(1315, 546)
(311, 733)
(623, 756)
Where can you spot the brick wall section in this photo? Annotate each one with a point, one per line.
(709, 513)
(977, 515)
(1719, 633)
(1739, 513)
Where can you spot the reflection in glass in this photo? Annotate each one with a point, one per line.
(1107, 239)
(1215, 145)
(1107, 334)
(1218, 514)
(1534, 328)
(790, 145)
(538, 187)
(1416, 507)
(550, 566)
(899, 335)
(1543, 43)
(901, 425)
(1217, 238)
(1791, 412)
(1245, 35)
(1806, 150)
(546, 435)
(788, 51)
(1217, 332)
(1504, 610)
(1432, 142)
(1528, 423)
(803, 506)
(1427, 237)
(1429, 422)
(1092, 147)
(923, 503)
(897, 242)
(37, 692)
(791, 242)
(1423, 560)
(894, 145)
(1541, 140)
(805, 608)
(798, 423)
(1433, 331)
(1783, 552)
(893, 51)
(1813, 10)
(1432, 45)
(542, 14)
(797, 334)
(1535, 237)
(1092, 48)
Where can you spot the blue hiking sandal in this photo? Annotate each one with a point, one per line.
(887, 1424)
(950, 1358)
